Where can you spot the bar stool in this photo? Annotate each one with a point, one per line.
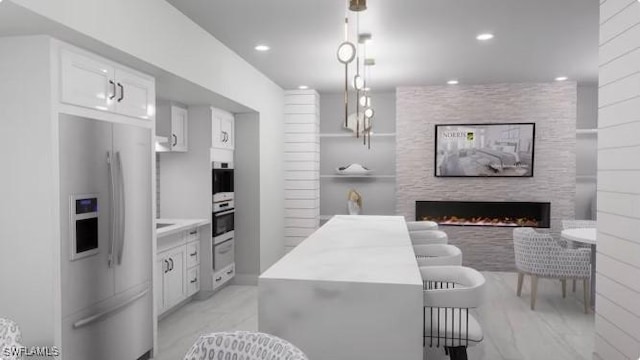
(421, 225)
(449, 293)
(425, 237)
(437, 254)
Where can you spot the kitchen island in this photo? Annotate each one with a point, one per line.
(351, 290)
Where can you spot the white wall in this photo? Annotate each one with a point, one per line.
(25, 120)
(586, 151)
(157, 33)
(618, 259)
(379, 194)
(247, 217)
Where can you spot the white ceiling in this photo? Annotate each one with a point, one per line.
(415, 42)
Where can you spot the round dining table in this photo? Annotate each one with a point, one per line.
(585, 236)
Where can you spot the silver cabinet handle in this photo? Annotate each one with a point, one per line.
(112, 193)
(121, 92)
(230, 272)
(218, 278)
(113, 88)
(165, 266)
(195, 280)
(171, 266)
(195, 253)
(193, 232)
(103, 314)
(121, 209)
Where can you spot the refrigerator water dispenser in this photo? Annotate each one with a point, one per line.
(84, 226)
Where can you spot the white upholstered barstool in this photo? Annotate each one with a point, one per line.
(425, 237)
(437, 254)
(421, 225)
(243, 345)
(449, 293)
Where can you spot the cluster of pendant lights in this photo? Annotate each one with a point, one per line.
(347, 53)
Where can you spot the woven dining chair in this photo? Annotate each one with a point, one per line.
(540, 256)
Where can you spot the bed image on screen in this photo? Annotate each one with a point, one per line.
(485, 150)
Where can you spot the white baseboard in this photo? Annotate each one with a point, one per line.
(245, 280)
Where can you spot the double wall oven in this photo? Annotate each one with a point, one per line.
(223, 214)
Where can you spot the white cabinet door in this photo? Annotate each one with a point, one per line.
(136, 94)
(86, 81)
(222, 129)
(179, 130)
(174, 288)
(227, 127)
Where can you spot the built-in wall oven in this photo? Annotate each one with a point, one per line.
(223, 233)
(222, 181)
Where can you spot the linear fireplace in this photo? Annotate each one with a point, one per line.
(485, 213)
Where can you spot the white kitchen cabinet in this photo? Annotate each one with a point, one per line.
(136, 94)
(172, 123)
(89, 81)
(223, 125)
(178, 268)
(173, 286)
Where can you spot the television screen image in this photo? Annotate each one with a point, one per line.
(485, 150)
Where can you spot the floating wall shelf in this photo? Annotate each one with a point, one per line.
(586, 131)
(345, 135)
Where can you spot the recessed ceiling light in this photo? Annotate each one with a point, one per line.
(303, 87)
(485, 37)
(561, 78)
(262, 47)
(452, 82)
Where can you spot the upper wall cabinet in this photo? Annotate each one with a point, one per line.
(172, 123)
(95, 83)
(223, 124)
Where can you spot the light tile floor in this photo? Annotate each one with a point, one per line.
(557, 330)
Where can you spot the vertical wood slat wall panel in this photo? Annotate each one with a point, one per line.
(302, 165)
(618, 268)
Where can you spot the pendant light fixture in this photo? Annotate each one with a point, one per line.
(360, 121)
(346, 54)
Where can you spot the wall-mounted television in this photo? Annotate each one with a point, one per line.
(485, 150)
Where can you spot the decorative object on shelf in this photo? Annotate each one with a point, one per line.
(354, 202)
(353, 169)
(360, 121)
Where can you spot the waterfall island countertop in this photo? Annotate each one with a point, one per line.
(354, 280)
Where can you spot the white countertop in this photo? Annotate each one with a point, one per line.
(364, 249)
(178, 225)
(587, 236)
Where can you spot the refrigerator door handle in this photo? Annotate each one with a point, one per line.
(101, 315)
(121, 209)
(112, 193)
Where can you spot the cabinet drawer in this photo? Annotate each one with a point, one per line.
(193, 234)
(193, 254)
(193, 281)
(221, 277)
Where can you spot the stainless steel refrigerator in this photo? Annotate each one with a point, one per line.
(106, 226)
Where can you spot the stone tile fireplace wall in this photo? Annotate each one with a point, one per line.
(552, 106)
